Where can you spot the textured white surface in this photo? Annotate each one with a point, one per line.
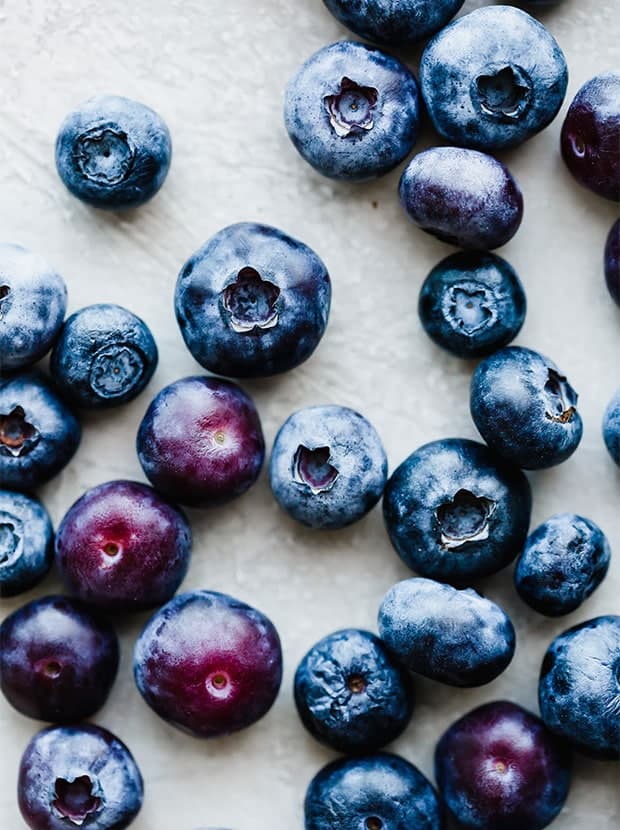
(216, 72)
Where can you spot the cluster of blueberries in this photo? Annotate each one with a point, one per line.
(254, 302)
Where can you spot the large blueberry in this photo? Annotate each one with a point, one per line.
(74, 776)
(208, 663)
(376, 792)
(564, 560)
(455, 511)
(493, 78)
(611, 427)
(591, 135)
(394, 24)
(350, 694)
(612, 262)
(579, 688)
(122, 547)
(499, 768)
(201, 441)
(252, 301)
(57, 661)
(328, 467)
(525, 408)
(352, 111)
(472, 304)
(455, 637)
(112, 152)
(33, 301)
(104, 356)
(462, 197)
(38, 433)
(26, 543)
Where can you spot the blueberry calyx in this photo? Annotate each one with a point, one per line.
(115, 369)
(104, 155)
(469, 307)
(464, 519)
(312, 469)
(251, 302)
(351, 110)
(373, 823)
(77, 799)
(561, 398)
(356, 684)
(17, 435)
(5, 290)
(504, 92)
(10, 539)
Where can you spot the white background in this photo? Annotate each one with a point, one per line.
(216, 72)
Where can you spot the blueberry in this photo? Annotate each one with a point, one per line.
(611, 427)
(564, 560)
(472, 304)
(612, 262)
(376, 792)
(455, 511)
(122, 547)
(499, 767)
(33, 301)
(113, 153)
(591, 136)
(104, 356)
(394, 24)
(252, 301)
(328, 466)
(201, 442)
(57, 661)
(208, 664)
(462, 197)
(38, 433)
(579, 688)
(352, 111)
(26, 543)
(493, 78)
(455, 637)
(525, 408)
(73, 776)
(350, 694)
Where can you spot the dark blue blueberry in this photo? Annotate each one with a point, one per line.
(400, 24)
(201, 442)
(352, 111)
(579, 688)
(33, 301)
(454, 637)
(328, 467)
(612, 262)
(455, 511)
(462, 197)
(57, 661)
(564, 560)
(38, 433)
(525, 408)
(26, 543)
(104, 357)
(376, 792)
(252, 301)
(112, 152)
(591, 136)
(350, 694)
(493, 78)
(499, 768)
(611, 427)
(472, 304)
(78, 776)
